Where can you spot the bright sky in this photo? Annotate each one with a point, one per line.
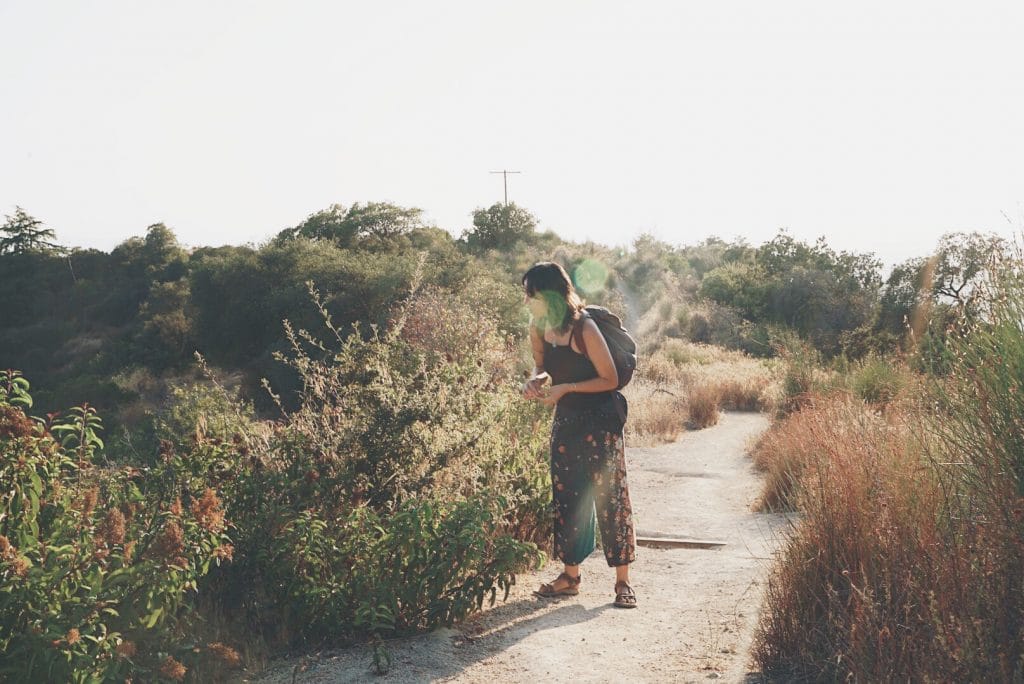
(880, 125)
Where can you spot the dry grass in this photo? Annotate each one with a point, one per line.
(883, 578)
(654, 413)
(744, 395)
(682, 384)
(703, 406)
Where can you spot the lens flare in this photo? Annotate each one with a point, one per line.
(590, 276)
(554, 307)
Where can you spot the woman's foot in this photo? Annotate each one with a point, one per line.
(564, 585)
(624, 595)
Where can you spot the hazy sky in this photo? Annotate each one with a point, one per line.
(880, 125)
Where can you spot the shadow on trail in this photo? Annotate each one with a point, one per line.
(508, 617)
(443, 654)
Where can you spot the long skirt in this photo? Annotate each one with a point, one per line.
(588, 481)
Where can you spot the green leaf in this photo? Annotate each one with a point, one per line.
(153, 617)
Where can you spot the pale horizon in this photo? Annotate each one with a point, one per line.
(878, 126)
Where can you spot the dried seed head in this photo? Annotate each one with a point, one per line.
(224, 551)
(166, 450)
(7, 550)
(89, 499)
(169, 544)
(207, 511)
(172, 669)
(226, 655)
(112, 529)
(20, 566)
(14, 423)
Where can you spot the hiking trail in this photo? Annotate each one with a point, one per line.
(697, 607)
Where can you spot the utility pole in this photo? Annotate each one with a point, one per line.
(505, 175)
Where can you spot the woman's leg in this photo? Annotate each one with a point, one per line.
(573, 501)
(611, 495)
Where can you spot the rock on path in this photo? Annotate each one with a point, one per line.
(697, 608)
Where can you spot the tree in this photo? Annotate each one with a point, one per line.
(377, 221)
(950, 276)
(961, 261)
(500, 226)
(382, 220)
(164, 257)
(25, 234)
(811, 288)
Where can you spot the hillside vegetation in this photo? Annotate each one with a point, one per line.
(231, 452)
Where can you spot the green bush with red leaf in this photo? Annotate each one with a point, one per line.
(95, 569)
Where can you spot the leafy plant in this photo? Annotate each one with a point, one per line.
(95, 570)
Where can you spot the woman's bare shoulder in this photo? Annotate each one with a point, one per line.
(590, 325)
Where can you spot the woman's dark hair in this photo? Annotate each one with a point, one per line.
(554, 285)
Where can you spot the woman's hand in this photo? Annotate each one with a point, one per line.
(554, 394)
(532, 388)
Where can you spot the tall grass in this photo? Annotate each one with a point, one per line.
(907, 563)
(681, 384)
(703, 406)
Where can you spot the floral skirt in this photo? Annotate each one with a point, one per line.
(588, 480)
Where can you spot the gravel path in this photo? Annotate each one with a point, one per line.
(697, 608)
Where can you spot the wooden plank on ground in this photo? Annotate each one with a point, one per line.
(678, 543)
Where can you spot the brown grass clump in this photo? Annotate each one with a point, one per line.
(655, 413)
(702, 407)
(743, 395)
(859, 565)
(797, 443)
(677, 381)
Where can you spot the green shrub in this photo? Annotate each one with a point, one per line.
(803, 371)
(877, 381)
(410, 482)
(95, 571)
(203, 409)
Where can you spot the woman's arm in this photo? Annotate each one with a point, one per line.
(599, 355)
(537, 347)
(531, 388)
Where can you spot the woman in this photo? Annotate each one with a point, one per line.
(587, 457)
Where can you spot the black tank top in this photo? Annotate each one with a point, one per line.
(565, 365)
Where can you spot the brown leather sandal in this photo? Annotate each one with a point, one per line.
(548, 590)
(625, 597)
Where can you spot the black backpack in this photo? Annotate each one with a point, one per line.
(620, 343)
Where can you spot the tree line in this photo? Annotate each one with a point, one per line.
(81, 321)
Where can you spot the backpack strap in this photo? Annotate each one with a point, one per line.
(578, 333)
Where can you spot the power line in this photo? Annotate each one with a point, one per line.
(505, 175)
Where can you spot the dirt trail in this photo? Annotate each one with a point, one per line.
(697, 608)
